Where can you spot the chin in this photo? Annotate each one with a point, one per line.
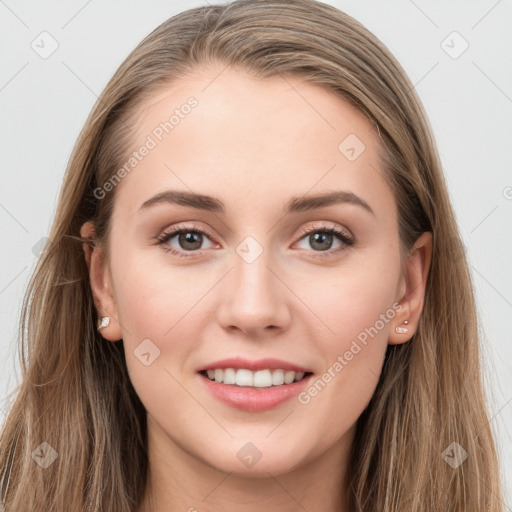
(254, 459)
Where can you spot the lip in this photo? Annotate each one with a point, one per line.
(252, 399)
(267, 363)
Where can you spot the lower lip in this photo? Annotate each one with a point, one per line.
(254, 399)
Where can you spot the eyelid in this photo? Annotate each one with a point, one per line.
(342, 232)
(174, 230)
(343, 236)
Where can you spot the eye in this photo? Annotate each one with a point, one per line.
(188, 239)
(321, 238)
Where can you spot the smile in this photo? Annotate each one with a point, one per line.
(259, 379)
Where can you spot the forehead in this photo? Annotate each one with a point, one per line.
(223, 132)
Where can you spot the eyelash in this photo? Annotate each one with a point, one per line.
(333, 230)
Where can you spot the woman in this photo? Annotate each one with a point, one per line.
(314, 348)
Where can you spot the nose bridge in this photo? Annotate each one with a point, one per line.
(255, 297)
(251, 272)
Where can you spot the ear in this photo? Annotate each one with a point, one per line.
(412, 289)
(101, 282)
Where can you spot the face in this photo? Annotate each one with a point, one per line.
(259, 269)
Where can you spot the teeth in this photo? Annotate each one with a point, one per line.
(229, 376)
(243, 377)
(289, 377)
(278, 377)
(258, 379)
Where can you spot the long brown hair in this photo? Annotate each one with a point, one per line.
(76, 395)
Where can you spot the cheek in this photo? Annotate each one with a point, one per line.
(340, 392)
(155, 307)
(352, 298)
(358, 307)
(151, 298)
(163, 304)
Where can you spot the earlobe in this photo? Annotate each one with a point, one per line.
(414, 283)
(101, 284)
(402, 330)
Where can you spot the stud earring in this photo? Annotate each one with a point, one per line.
(105, 320)
(402, 330)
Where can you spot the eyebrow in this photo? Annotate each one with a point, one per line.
(294, 205)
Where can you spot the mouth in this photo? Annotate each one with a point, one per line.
(254, 385)
(260, 379)
(254, 391)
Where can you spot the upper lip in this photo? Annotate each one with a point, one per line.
(258, 364)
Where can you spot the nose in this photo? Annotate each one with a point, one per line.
(254, 298)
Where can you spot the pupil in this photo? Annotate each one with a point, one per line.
(320, 237)
(190, 238)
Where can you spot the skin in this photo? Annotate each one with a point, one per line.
(253, 144)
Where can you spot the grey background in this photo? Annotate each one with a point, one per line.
(468, 97)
